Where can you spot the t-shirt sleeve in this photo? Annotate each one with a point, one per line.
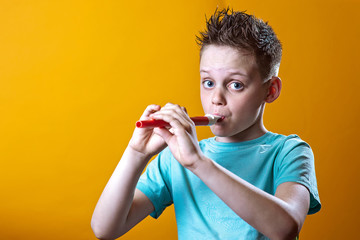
(155, 183)
(295, 163)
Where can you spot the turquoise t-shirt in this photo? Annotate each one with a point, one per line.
(265, 162)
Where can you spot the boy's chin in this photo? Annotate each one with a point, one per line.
(220, 134)
(218, 131)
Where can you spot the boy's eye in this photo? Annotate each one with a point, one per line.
(236, 85)
(208, 84)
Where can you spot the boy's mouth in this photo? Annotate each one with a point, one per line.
(220, 119)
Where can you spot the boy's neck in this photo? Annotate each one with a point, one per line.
(242, 137)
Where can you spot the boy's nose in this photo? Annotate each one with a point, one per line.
(218, 97)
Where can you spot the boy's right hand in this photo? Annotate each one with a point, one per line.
(144, 140)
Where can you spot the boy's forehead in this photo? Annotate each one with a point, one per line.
(225, 58)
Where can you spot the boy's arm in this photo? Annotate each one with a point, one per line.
(278, 217)
(121, 206)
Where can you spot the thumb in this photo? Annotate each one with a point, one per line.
(164, 133)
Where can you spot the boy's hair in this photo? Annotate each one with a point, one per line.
(244, 32)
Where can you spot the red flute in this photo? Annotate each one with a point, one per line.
(206, 120)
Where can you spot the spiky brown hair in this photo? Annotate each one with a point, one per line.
(244, 32)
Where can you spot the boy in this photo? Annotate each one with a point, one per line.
(244, 183)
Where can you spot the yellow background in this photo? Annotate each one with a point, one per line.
(76, 75)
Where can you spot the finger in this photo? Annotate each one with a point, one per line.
(184, 109)
(178, 124)
(174, 112)
(163, 133)
(167, 134)
(173, 118)
(150, 110)
(175, 106)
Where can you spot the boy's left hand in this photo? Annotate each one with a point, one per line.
(181, 138)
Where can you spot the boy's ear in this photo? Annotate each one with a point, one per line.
(274, 89)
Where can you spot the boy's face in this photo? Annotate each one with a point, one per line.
(231, 87)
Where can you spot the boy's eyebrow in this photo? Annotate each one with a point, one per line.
(235, 72)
